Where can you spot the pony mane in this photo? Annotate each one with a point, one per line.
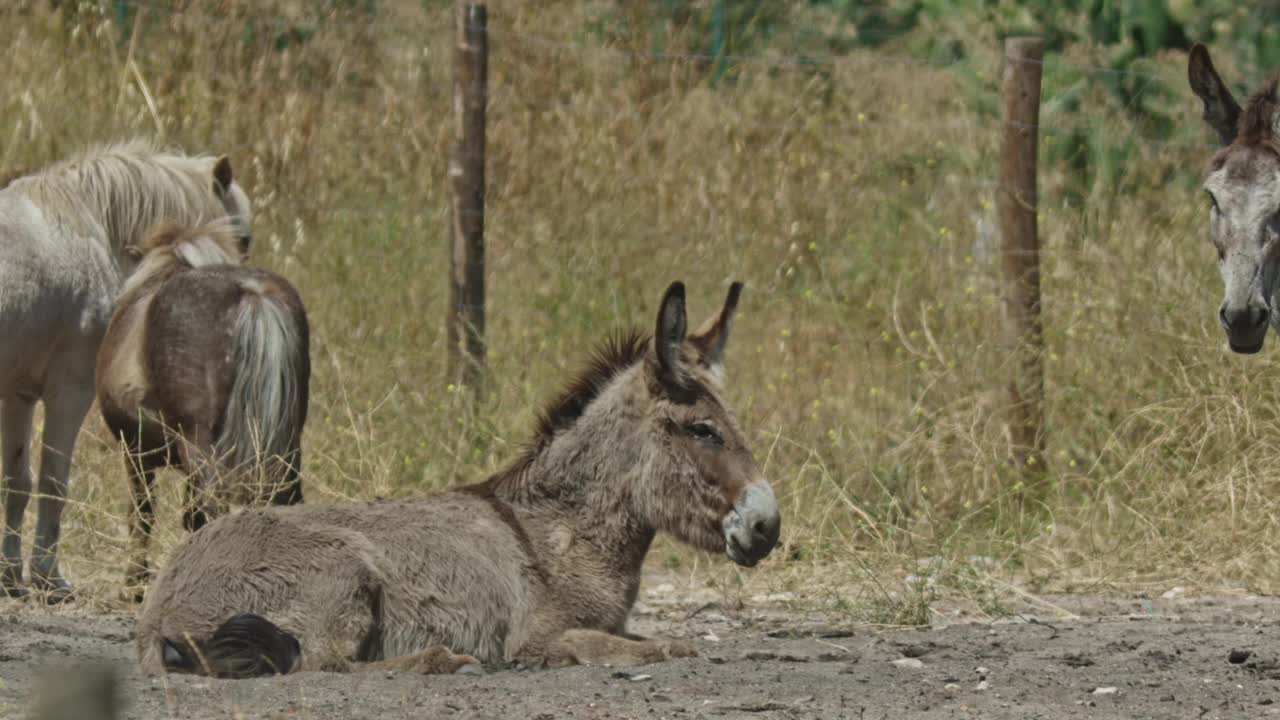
(171, 248)
(9, 176)
(615, 355)
(125, 187)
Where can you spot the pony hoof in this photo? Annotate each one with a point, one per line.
(193, 520)
(53, 590)
(470, 669)
(17, 592)
(11, 580)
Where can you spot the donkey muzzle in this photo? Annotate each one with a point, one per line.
(1245, 324)
(751, 528)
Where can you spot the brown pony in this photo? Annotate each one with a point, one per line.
(538, 564)
(205, 365)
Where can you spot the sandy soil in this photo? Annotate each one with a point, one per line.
(1057, 657)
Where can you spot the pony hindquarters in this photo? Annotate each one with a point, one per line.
(238, 438)
(267, 407)
(205, 365)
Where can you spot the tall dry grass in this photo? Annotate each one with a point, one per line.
(856, 203)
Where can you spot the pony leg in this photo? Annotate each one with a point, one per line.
(593, 647)
(15, 486)
(64, 413)
(142, 515)
(196, 454)
(289, 492)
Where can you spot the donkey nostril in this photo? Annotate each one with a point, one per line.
(765, 530)
(1248, 317)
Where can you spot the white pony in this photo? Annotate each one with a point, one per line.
(69, 237)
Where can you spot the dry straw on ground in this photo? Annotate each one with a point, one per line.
(856, 203)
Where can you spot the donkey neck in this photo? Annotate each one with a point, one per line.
(585, 478)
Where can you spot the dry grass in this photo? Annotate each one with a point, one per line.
(867, 363)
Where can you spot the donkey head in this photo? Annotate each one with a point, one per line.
(1243, 186)
(234, 201)
(706, 488)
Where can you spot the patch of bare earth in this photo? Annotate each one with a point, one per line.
(1054, 657)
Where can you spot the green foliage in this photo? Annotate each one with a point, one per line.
(1100, 54)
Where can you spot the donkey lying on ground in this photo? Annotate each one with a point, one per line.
(64, 238)
(205, 365)
(1243, 185)
(538, 564)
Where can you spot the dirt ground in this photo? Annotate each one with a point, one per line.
(1055, 657)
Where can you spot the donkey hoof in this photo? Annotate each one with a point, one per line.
(439, 660)
(680, 649)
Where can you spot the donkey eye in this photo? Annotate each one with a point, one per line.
(705, 432)
(1213, 201)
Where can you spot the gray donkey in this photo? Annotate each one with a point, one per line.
(1243, 185)
(539, 564)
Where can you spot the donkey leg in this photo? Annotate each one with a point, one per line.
(15, 486)
(593, 647)
(435, 660)
(64, 413)
(142, 478)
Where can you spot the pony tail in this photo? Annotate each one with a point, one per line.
(268, 402)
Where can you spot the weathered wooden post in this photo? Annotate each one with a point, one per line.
(1020, 249)
(466, 183)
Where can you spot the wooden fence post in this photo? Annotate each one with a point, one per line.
(1020, 247)
(466, 183)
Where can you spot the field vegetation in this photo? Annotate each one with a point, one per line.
(841, 161)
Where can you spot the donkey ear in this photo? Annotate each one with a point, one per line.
(669, 335)
(1220, 109)
(222, 176)
(714, 333)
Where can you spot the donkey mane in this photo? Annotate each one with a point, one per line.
(1255, 129)
(124, 186)
(1258, 115)
(617, 354)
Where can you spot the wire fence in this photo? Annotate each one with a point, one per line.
(1056, 127)
(597, 48)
